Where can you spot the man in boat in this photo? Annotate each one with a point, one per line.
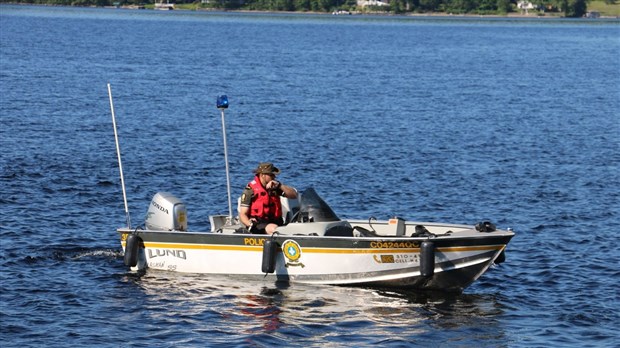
(260, 209)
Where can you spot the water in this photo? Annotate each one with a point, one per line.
(437, 119)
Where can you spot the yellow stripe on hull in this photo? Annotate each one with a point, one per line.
(317, 250)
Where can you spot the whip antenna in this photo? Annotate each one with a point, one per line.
(222, 104)
(118, 154)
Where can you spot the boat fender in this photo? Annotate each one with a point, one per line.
(485, 226)
(269, 256)
(427, 259)
(132, 245)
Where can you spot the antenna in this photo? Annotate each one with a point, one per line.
(118, 154)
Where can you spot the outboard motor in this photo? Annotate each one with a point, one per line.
(167, 213)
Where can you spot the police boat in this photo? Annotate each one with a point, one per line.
(314, 246)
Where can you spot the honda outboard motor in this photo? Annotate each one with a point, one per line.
(167, 213)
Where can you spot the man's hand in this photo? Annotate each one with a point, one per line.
(273, 185)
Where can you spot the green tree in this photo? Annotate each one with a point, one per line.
(460, 6)
(430, 5)
(503, 6)
(302, 5)
(487, 6)
(283, 5)
(326, 5)
(314, 5)
(397, 6)
(575, 8)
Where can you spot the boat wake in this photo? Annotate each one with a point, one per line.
(56, 254)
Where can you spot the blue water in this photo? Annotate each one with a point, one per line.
(436, 119)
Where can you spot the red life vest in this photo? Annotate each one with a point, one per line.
(265, 206)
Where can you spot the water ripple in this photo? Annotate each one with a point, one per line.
(431, 119)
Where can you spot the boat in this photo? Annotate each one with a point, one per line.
(314, 246)
(167, 6)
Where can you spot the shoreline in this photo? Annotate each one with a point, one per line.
(387, 14)
(512, 15)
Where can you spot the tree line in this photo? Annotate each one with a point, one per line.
(569, 8)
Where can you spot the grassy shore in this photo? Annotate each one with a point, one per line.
(606, 10)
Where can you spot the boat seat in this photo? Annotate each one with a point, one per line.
(290, 206)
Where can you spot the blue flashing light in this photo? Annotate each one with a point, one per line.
(222, 102)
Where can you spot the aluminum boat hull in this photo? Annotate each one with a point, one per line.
(460, 256)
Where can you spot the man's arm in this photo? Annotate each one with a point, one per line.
(288, 191)
(285, 190)
(244, 216)
(244, 207)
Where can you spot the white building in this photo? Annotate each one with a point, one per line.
(525, 6)
(364, 3)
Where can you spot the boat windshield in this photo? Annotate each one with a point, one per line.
(315, 208)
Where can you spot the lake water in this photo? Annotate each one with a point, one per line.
(437, 119)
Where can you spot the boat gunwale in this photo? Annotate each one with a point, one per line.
(499, 237)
